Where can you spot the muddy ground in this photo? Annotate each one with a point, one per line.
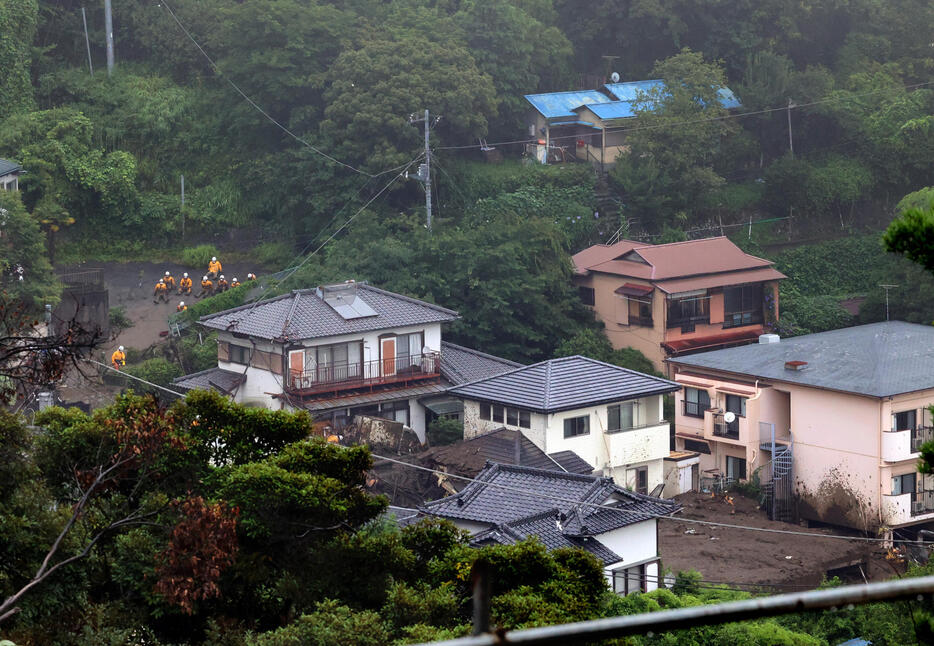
(750, 557)
(130, 285)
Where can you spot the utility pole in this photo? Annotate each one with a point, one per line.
(109, 28)
(424, 170)
(183, 206)
(887, 288)
(87, 42)
(791, 143)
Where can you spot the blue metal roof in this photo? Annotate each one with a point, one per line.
(612, 110)
(553, 105)
(627, 92)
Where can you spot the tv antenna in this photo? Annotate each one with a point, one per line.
(887, 288)
(614, 77)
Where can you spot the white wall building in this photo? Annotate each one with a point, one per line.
(563, 510)
(609, 416)
(338, 351)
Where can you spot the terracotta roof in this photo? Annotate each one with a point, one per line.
(667, 261)
(633, 289)
(598, 253)
(720, 280)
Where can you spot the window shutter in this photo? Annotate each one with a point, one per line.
(223, 351)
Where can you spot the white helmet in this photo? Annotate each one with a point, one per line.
(185, 274)
(120, 348)
(181, 302)
(166, 273)
(213, 258)
(235, 279)
(222, 275)
(205, 277)
(161, 280)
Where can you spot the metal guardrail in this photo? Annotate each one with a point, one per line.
(346, 376)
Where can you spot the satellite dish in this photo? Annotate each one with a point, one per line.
(729, 417)
(614, 77)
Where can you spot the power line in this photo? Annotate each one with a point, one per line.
(737, 115)
(643, 514)
(284, 129)
(129, 376)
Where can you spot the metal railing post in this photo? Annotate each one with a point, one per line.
(480, 578)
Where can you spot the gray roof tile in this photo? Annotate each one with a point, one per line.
(564, 384)
(212, 378)
(301, 314)
(879, 359)
(519, 492)
(8, 166)
(543, 526)
(469, 457)
(460, 365)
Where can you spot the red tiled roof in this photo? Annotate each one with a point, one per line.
(720, 280)
(697, 343)
(667, 261)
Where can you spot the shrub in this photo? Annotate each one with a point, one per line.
(445, 430)
(330, 623)
(234, 297)
(273, 254)
(157, 370)
(197, 356)
(199, 256)
(119, 321)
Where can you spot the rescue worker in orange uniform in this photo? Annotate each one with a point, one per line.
(118, 358)
(251, 277)
(222, 284)
(160, 292)
(234, 283)
(169, 281)
(214, 267)
(181, 307)
(184, 285)
(207, 287)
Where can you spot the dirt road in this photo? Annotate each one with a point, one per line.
(741, 556)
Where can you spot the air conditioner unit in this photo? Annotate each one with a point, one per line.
(917, 507)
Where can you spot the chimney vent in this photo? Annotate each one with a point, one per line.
(769, 338)
(796, 365)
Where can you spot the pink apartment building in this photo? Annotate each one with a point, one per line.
(831, 423)
(673, 299)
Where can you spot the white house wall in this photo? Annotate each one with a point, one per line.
(474, 426)
(259, 383)
(637, 543)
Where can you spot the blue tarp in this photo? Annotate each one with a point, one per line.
(629, 91)
(553, 105)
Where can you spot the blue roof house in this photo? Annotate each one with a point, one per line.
(579, 126)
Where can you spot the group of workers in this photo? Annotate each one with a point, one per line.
(211, 283)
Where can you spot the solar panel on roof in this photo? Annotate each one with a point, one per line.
(344, 300)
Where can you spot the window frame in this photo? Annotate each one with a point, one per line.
(571, 425)
(623, 576)
(587, 295)
(900, 479)
(697, 315)
(912, 414)
(740, 462)
(486, 411)
(242, 353)
(643, 311)
(751, 308)
(610, 428)
(697, 402)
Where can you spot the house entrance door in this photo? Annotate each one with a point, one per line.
(387, 348)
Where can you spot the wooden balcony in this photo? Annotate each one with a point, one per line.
(338, 378)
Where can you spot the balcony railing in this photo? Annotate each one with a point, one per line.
(643, 321)
(922, 502)
(722, 428)
(919, 436)
(695, 409)
(366, 374)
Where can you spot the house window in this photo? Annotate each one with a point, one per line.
(736, 404)
(574, 426)
(686, 311)
(735, 468)
(587, 295)
(398, 411)
(498, 414)
(485, 410)
(696, 446)
(640, 311)
(630, 580)
(333, 363)
(905, 420)
(239, 354)
(742, 305)
(525, 419)
(619, 417)
(696, 401)
(903, 484)
(408, 350)
(638, 479)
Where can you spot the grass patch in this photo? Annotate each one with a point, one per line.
(198, 256)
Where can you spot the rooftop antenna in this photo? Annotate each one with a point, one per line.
(614, 77)
(887, 288)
